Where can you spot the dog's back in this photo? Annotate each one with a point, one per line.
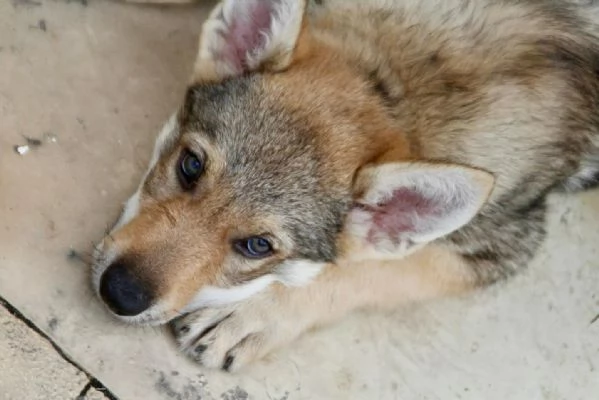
(512, 87)
(509, 87)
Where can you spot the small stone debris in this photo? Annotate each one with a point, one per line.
(32, 143)
(22, 149)
(49, 137)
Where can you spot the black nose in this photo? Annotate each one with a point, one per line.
(122, 292)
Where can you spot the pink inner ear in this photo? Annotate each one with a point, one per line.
(400, 213)
(246, 33)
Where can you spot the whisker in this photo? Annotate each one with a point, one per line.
(169, 215)
(109, 236)
(79, 256)
(84, 257)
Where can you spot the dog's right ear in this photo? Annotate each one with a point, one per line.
(241, 36)
(402, 205)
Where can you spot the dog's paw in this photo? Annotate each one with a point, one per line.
(232, 337)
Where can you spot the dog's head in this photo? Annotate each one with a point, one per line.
(280, 161)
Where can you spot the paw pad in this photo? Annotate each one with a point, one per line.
(200, 349)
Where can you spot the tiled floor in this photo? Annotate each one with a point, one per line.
(31, 368)
(100, 77)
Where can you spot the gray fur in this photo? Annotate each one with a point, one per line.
(273, 164)
(508, 87)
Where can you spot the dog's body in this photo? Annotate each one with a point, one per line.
(383, 152)
(507, 87)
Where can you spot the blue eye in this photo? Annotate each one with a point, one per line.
(254, 247)
(189, 170)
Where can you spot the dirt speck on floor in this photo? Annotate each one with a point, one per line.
(26, 3)
(236, 393)
(182, 389)
(53, 324)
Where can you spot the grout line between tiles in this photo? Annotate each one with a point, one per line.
(93, 382)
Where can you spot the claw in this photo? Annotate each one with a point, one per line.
(184, 329)
(228, 362)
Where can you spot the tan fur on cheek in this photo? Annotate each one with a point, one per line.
(173, 254)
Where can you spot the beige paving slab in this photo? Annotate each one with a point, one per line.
(103, 78)
(30, 368)
(94, 394)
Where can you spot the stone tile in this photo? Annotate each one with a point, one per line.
(30, 367)
(94, 394)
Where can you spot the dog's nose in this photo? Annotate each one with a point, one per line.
(122, 292)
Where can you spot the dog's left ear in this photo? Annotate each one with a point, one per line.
(400, 205)
(241, 36)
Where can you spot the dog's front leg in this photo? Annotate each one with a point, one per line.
(233, 336)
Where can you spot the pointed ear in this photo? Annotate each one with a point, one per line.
(244, 35)
(401, 205)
